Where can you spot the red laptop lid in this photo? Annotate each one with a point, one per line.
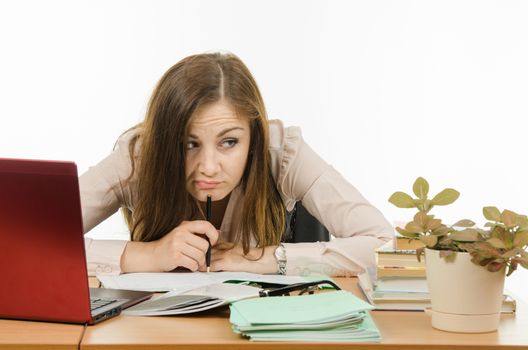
(42, 257)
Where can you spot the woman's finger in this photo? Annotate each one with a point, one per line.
(193, 253)
(202, 227)
(188, 263)
(199, 242)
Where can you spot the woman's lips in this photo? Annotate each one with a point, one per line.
(206, 185)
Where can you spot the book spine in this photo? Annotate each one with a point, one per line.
(407, 243)
(400, 271)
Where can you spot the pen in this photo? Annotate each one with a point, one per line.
(208, 218)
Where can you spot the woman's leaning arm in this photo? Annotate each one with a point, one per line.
(98, 203)
(358, 227)
(105, 187)
(103, 257)
(101, 196)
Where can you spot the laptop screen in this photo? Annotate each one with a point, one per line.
(42, 264)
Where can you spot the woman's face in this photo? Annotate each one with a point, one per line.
(217, 151)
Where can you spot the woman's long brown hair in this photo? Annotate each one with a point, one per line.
(162, 201)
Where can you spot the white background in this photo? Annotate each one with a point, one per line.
(385, 91)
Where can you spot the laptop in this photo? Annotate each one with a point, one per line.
(42, 255)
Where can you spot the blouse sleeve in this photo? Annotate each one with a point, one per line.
(357, 226)
(102, 194)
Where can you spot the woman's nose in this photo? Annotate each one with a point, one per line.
(209, 162)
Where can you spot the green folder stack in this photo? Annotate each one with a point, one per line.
(336, 316)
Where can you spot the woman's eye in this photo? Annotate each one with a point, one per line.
(191, 145)
(229, 143)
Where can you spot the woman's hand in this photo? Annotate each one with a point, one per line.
(181, 247)
(225, 259)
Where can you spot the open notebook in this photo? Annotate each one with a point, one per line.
(195, 300)
(184, 281)
(218, 294)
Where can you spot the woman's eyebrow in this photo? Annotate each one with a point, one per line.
(223, 132)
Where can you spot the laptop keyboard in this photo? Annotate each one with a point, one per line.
(96, 303)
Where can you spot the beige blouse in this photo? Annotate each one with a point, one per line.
(300, 174)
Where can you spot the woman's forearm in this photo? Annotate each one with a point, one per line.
(137, 257)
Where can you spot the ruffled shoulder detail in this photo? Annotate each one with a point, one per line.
(123, 141)
(126, 182)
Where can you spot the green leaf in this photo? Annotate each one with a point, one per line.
(495, 266)
(464, 223)
(423, 204)
(446, 254)
(429, 241)
(503, 235)
(484, 249)
(511, 253)
(427, 205)
(475, 260)
(512, 267)
(402, 200)
(483, 233)
(509, 218)
(523, 262)
(522, 222)
(413, 227)
(421, 219)
(491, 213)
(419, 252)
(421, 188)
(407, 233)
(520, 239)
(496, 242)
(468, 247)
(467, 235)
(441, 231)
(445, 242)
(446, 197)
(483, 262)
(434, 224)
(498, 231)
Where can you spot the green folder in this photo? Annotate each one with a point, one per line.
(329, 316)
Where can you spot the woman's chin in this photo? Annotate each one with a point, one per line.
(216, 195)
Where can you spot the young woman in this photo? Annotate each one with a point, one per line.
(206, 132)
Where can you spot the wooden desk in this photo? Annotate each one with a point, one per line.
(399, 330)
(41, 335)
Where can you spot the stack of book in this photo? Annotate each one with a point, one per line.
(396, 263)
(326, 317)
(398, 281)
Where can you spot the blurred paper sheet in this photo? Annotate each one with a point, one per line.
(183, 281)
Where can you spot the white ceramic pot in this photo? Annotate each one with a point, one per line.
(465, 297)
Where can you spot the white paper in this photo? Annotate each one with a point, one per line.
(195, 300)
(183, 281)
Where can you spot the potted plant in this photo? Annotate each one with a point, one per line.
(465, 265)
